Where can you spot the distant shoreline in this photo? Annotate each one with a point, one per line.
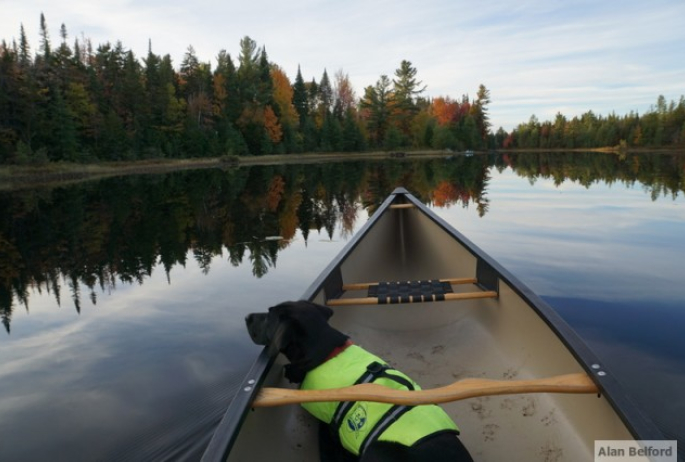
(20, 177)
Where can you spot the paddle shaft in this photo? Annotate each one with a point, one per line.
(463, 389)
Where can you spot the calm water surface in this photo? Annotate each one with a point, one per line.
(123, 300)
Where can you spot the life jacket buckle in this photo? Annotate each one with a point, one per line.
(376, 368)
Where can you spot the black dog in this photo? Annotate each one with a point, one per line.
(322, 357)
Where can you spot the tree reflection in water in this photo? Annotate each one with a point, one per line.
(115, 231)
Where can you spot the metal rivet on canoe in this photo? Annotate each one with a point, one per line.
(247, 388)
(601, 373)
(596, 366)
(251, 381)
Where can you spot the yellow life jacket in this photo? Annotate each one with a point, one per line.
(361, 423)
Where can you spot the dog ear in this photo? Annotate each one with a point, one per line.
(300, 311)
(284, 335)
(324, 310)
(257, 327)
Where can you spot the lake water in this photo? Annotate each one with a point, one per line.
(123, 300)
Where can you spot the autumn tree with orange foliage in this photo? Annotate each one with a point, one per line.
(283, 96)
(110, 105)
(272, 125)
(444, 110)
(445, 193)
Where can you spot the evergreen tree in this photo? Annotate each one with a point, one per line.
(248, 70)
(376, 107)
(300, 98)
(325, 93)
(331, 135)
(393, 138)
(312, 95)
(44, 38)
(10, 103)
(479, 111)
(65, 145)
(227, 106)
(76, 104)
(24, 49)
(265, 95)
(406, 89)
(353, 139)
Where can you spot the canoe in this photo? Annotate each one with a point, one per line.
(474, 319)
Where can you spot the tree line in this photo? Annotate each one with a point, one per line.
(81, 103)
(74, 242)
(662, 125)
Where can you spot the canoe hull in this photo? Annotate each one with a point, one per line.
(513, 336)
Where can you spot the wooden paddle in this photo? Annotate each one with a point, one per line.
(466, 388)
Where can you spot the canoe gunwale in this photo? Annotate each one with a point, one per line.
(639, 425)
(228, 429)
(227, 432)
(489, 273)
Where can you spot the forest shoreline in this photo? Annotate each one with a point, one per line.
(61, 173)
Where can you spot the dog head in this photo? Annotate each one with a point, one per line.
(300, 331)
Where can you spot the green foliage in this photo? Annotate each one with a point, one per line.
(377, 104)
(99, 233)
(82, 105)
(353, 139)
(393, 139)
(300, 97)
(26, 156)
(660, 126)
(444, 138)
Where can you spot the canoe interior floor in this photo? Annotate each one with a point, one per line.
(438, 343)
(450, 344)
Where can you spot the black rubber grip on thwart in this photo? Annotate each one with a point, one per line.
(408, 291)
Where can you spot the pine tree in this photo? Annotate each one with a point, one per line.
(479, 111)
(24, 49)
(376, 106)
(265, 95)
(300, 98)
(44, 38)
(248, 70)
(226, 68)
(406, 88)
(325, 93)
(313, 98)
(352, 138)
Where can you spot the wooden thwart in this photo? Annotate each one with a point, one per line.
(402, 206)
(463, 389)
(366, 285)
(412, 299)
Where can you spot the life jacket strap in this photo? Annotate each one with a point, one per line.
(374, 371)
(390, 417)
(345, 406)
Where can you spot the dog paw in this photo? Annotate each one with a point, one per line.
(529, 409)
(489, 432)
(510, 374)
(438, 349)
(551, 453)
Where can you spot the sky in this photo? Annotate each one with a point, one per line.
(537, 57)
